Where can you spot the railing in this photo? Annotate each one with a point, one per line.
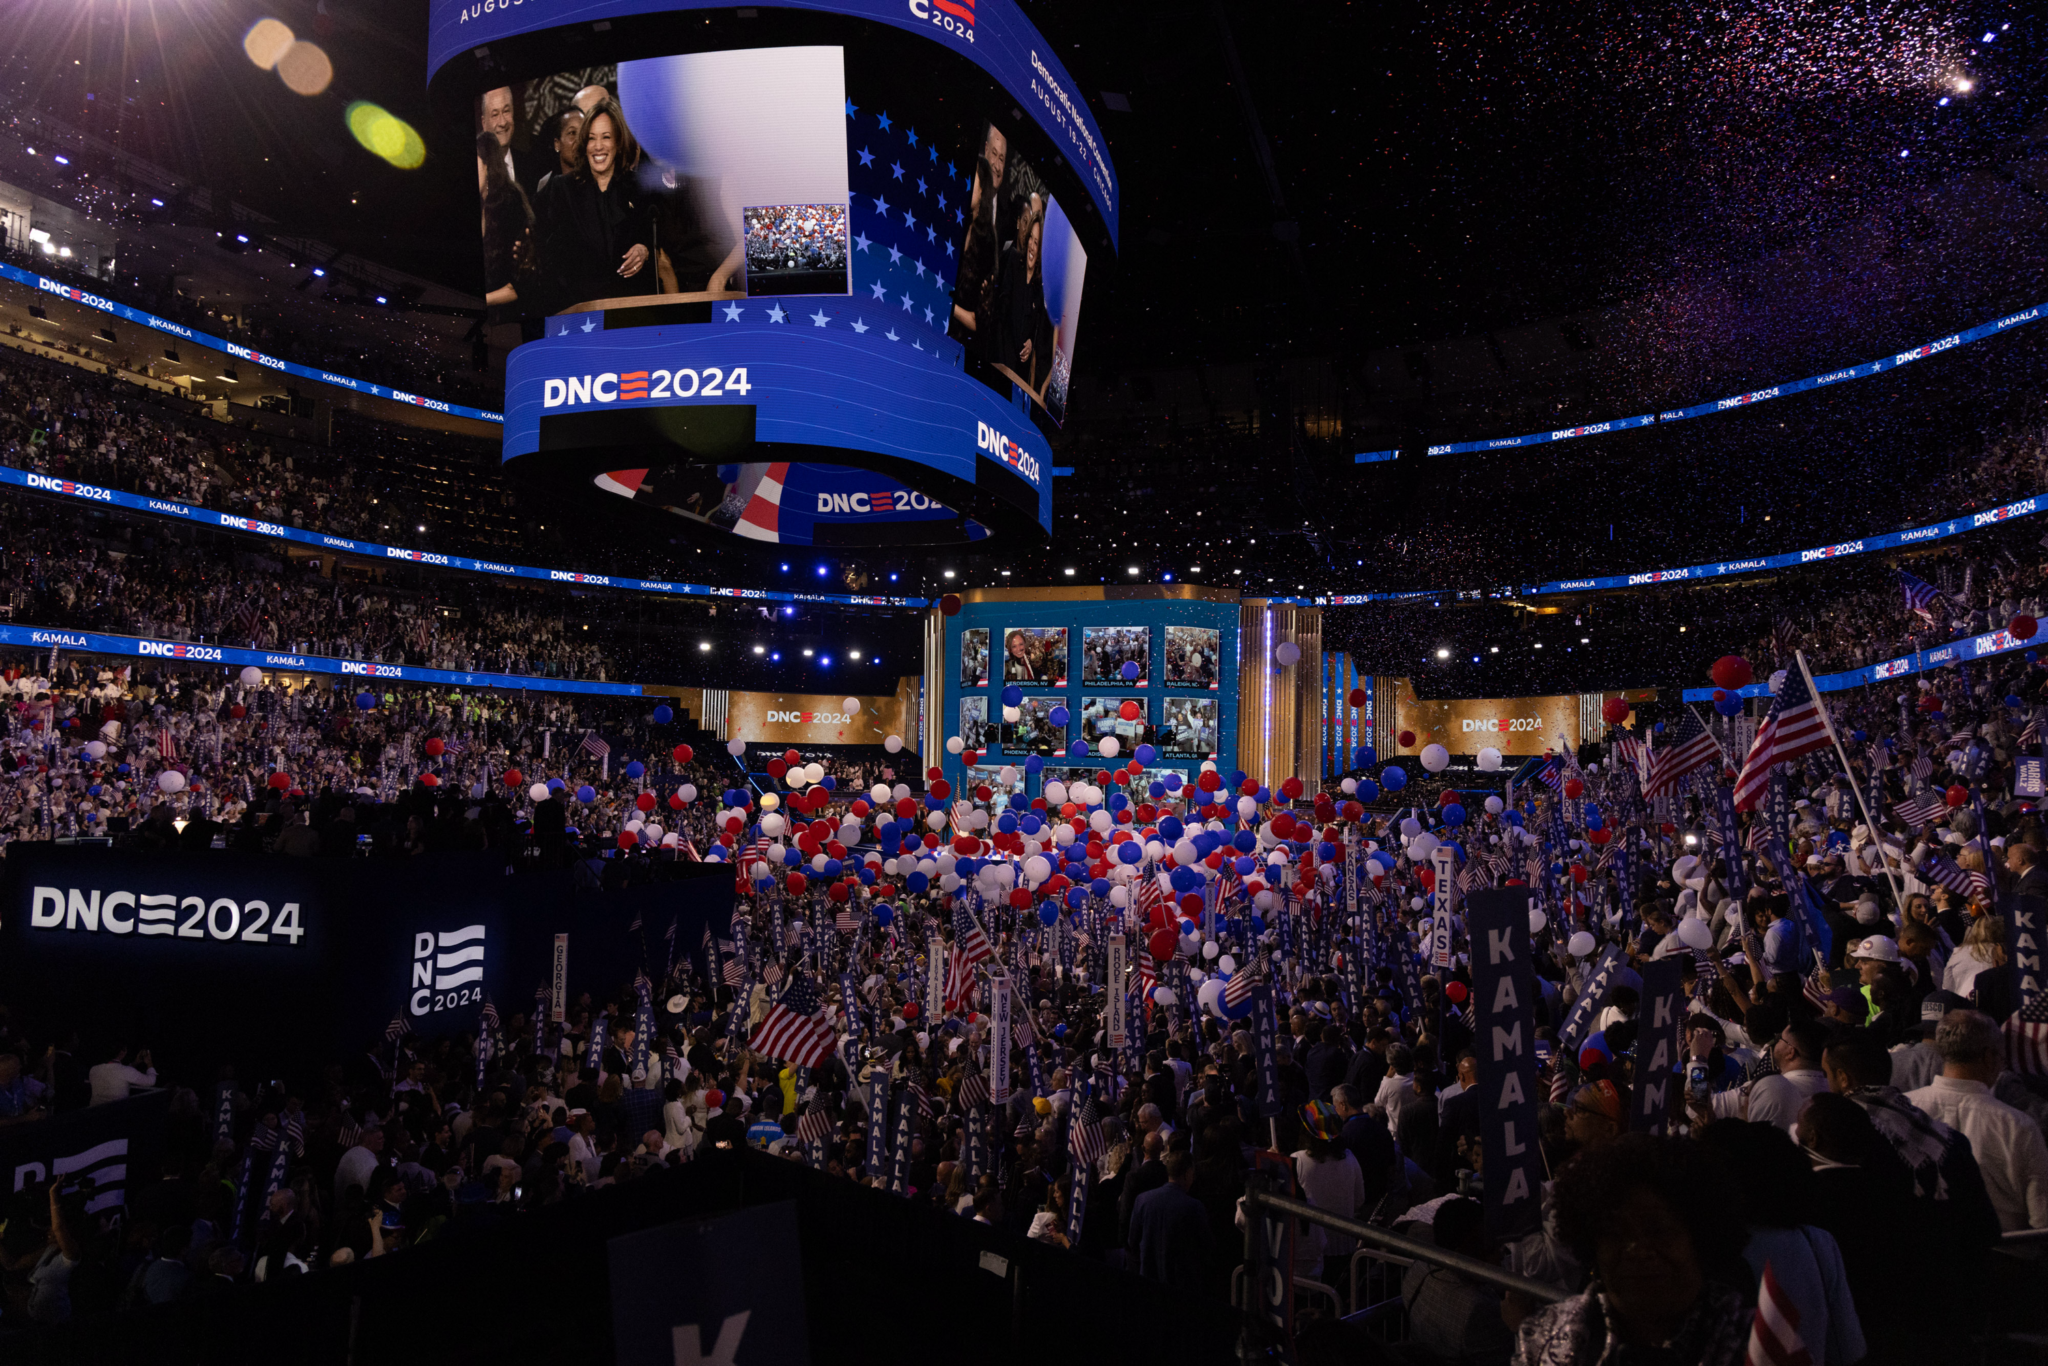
(1382, 1246)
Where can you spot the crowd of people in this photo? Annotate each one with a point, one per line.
(795, 237)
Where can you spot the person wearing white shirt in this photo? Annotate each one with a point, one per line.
(583, 1143)
(1778, 1098)
(2006, 1141)
(113, 1079)
(1400, 1077)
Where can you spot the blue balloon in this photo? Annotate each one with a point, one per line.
(1658, 728)
(1247, 865)
(1047, 913)
(884, 912)
(916, 882)
(1099, 887)
(1130, 851)
(1729, 705)
(1327, 852)
(1030, 823)
(1258, 925)
(1174, 782)
(1171, 829)
(1237, 778)
(1394, 777)
(366, 701)
(1514, 818)
(1079, 749)
(1059, 716)
(1130, 671)
(1019, 802)
(1145, 754)
(1454, 814)
(2033, 656)
(1006, 823)
(635, 770)
(1185, 879)
(1077, 897)
(1155, 790)
(556, 784)
(1366, 757)
(1244, 841)
(1368, 790)
(121, 768)
(663, 714)
(2013, 700)
(867, 876)
(834, 868)
(1013, 696)
(93, 791)
(1034, 764)
(586, 794)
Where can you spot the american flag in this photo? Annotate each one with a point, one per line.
(1920, 595)
(1086, 1141)
(972, 1092)
(1774, 1331)
(794, 1029)
(1940, 870)
(1784, 636)
(921, 1094)
(350, 1133)
(1922, 769)
(2026, 1037)
(1922, 810)
(843, 920)
(970, 946)
(1815, 988)
(166, 743)
(816, 1125)
(735, 973)
(1150, 897)
(1239, 988)
(2030, 734)
(594, 747)
(1551, 775)
(1691, 746)
(1794, 726)
(398, 1028)
(1627, 747)
(452, 746)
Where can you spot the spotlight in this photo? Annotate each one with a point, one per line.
(704, 646)
(826, 661)
(319, 273)
(762, 650)
(821, 571)
(949, 574)
(853, 654)
(1132, 571)
(1443, 654)
(1068, 572)
(808, 652)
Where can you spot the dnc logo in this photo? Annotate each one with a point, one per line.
(953, 16)
(447, 969)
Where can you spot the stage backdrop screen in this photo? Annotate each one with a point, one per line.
(1520, 726)
(808, 719)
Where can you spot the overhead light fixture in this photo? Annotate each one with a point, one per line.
(760, 649)
(1443, 654)
(1132, 571)
(853, 654)
(1068, 572)
(949, 574)
(704, 646)
(230, 376)
(808, 652)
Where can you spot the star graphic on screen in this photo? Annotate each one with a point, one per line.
(942, 203)
(920, 270)
(851, 109)
(776, 315)
(952, 171)
(732, 313)
(918, 344)
(891, 335)
(859, 326)
(931, 234)
(927, 315)
(590, 324)
(896, 169)
(894, 256)
(884, 120)
(906, 303)
(949, 249)
(934, 154)
(958, 218)
(861, 241)
(909, 221)
(867, 158)
(880, 293)
(564, 332)
(923, 186)
(819, 319)
(912, 135)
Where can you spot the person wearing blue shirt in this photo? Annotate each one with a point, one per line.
(1786, 952)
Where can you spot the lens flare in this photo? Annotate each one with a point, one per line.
(386, 135)
(266, 42)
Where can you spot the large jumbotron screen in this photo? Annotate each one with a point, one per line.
(812, 275)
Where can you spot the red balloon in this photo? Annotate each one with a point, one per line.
(1958, 795)
(1406, 739)
(910, 1011)
(1615, 710)
(1129, 711)
(1600, 836)
(1209, 781)
(238, 711)
(434, 747)
(1731, 672)
(950, 604)
(791, 757)
(627, 839)
(513, 777)
(1455, 992)
(941, 789)
(675, 801)
(1191, 904)
(1290, 788)
(1579, 873)
(645, 801)
(797, 883)
(1574, 789)
(1021, 898)
(1163, 943)
(280, 781)
(682, 754)
(1358, 697)
(967, 757)
(426, 780)
(2022, 626)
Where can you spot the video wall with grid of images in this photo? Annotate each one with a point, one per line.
(1143, 672)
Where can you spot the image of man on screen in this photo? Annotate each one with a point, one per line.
(980, 252)
(1035, 656)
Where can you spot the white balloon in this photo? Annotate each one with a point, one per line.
(1777, 682)
(95, 749)
(1580, 945)
(1537, 920)
(1350, 786)
(1120, 897)
(1210, 996)
(954, 744)
(1055, 793)
(814, 774)
(893, 743)
(769, 801)
(774, 824)
(1184, 853)
(1037, 868)
(1247, 807)
(850, 705)
(935, 820)
(1410, 827)
(1494, 806)
(634, 827)
(1163, 995)
(900, 791)
(1226, 963)
(1012, 715)
(251, 675)
(170, 780)
(688, 792)
(1287, 653)
(1211, 949)
(671, 841)
(1489, 760)
(1100, 822)
(1006, 775)
(1110, 746)
(1416, 903)
(1694, 933)
(736, 748)
(538, 792)
(1435, 758)
(1422, 846)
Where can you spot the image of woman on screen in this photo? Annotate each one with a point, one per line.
(975, 286)
(1027, 658)
(594, 232)
(507, 224)
(1023, 342)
